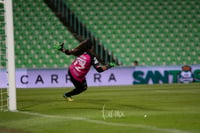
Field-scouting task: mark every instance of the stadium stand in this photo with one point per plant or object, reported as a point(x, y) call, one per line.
point(36, 29)
point(2, 38)
point(153, 32)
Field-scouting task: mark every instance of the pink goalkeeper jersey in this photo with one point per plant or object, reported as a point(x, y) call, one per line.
point(80, 67)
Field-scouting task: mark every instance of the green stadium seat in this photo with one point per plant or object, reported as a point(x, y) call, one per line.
point(167, 32)
point(36, 29)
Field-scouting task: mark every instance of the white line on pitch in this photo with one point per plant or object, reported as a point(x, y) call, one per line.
point(153, 128)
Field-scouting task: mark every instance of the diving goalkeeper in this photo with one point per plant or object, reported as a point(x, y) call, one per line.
point(81, 65)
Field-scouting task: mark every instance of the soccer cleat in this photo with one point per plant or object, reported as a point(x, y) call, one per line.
point(68, 98)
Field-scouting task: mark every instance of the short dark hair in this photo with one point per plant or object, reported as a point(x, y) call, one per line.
point(88, 45)
point(83, 47)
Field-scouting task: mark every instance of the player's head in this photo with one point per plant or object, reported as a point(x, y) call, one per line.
point(135, 63)
point(85, 46)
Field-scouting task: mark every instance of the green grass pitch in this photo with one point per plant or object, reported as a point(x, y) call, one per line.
point(169, 108)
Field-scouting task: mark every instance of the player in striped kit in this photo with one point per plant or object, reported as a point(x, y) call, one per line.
point(80, 66)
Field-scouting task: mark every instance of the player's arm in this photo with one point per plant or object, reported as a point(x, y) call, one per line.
point(99, 68)
point(67, 51)
point(60, 47)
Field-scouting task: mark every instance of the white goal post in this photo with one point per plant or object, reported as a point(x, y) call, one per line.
point(10, 54)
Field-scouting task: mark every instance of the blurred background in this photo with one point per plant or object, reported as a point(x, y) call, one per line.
point(154, 32)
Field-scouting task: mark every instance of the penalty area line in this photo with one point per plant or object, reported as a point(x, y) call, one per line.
point(102, 122)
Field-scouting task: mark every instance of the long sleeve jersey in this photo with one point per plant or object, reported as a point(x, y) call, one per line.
point(81, 65)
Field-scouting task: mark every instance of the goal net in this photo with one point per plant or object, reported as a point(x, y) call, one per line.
point(7, 58)
point(3, 90)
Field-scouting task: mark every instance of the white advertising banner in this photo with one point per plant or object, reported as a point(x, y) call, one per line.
point(166, 74)
point(56, 78)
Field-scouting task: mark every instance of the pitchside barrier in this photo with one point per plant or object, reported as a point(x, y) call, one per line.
point(57, 78)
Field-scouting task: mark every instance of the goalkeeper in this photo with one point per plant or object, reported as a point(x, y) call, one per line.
point(80, 66)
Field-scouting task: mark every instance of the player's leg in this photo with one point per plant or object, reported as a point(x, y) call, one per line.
point(79, 87)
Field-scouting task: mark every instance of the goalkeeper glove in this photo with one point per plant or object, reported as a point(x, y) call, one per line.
point(59, 46)
point(111, 65)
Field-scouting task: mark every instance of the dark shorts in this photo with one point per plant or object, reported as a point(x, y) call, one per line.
point(78, 85)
